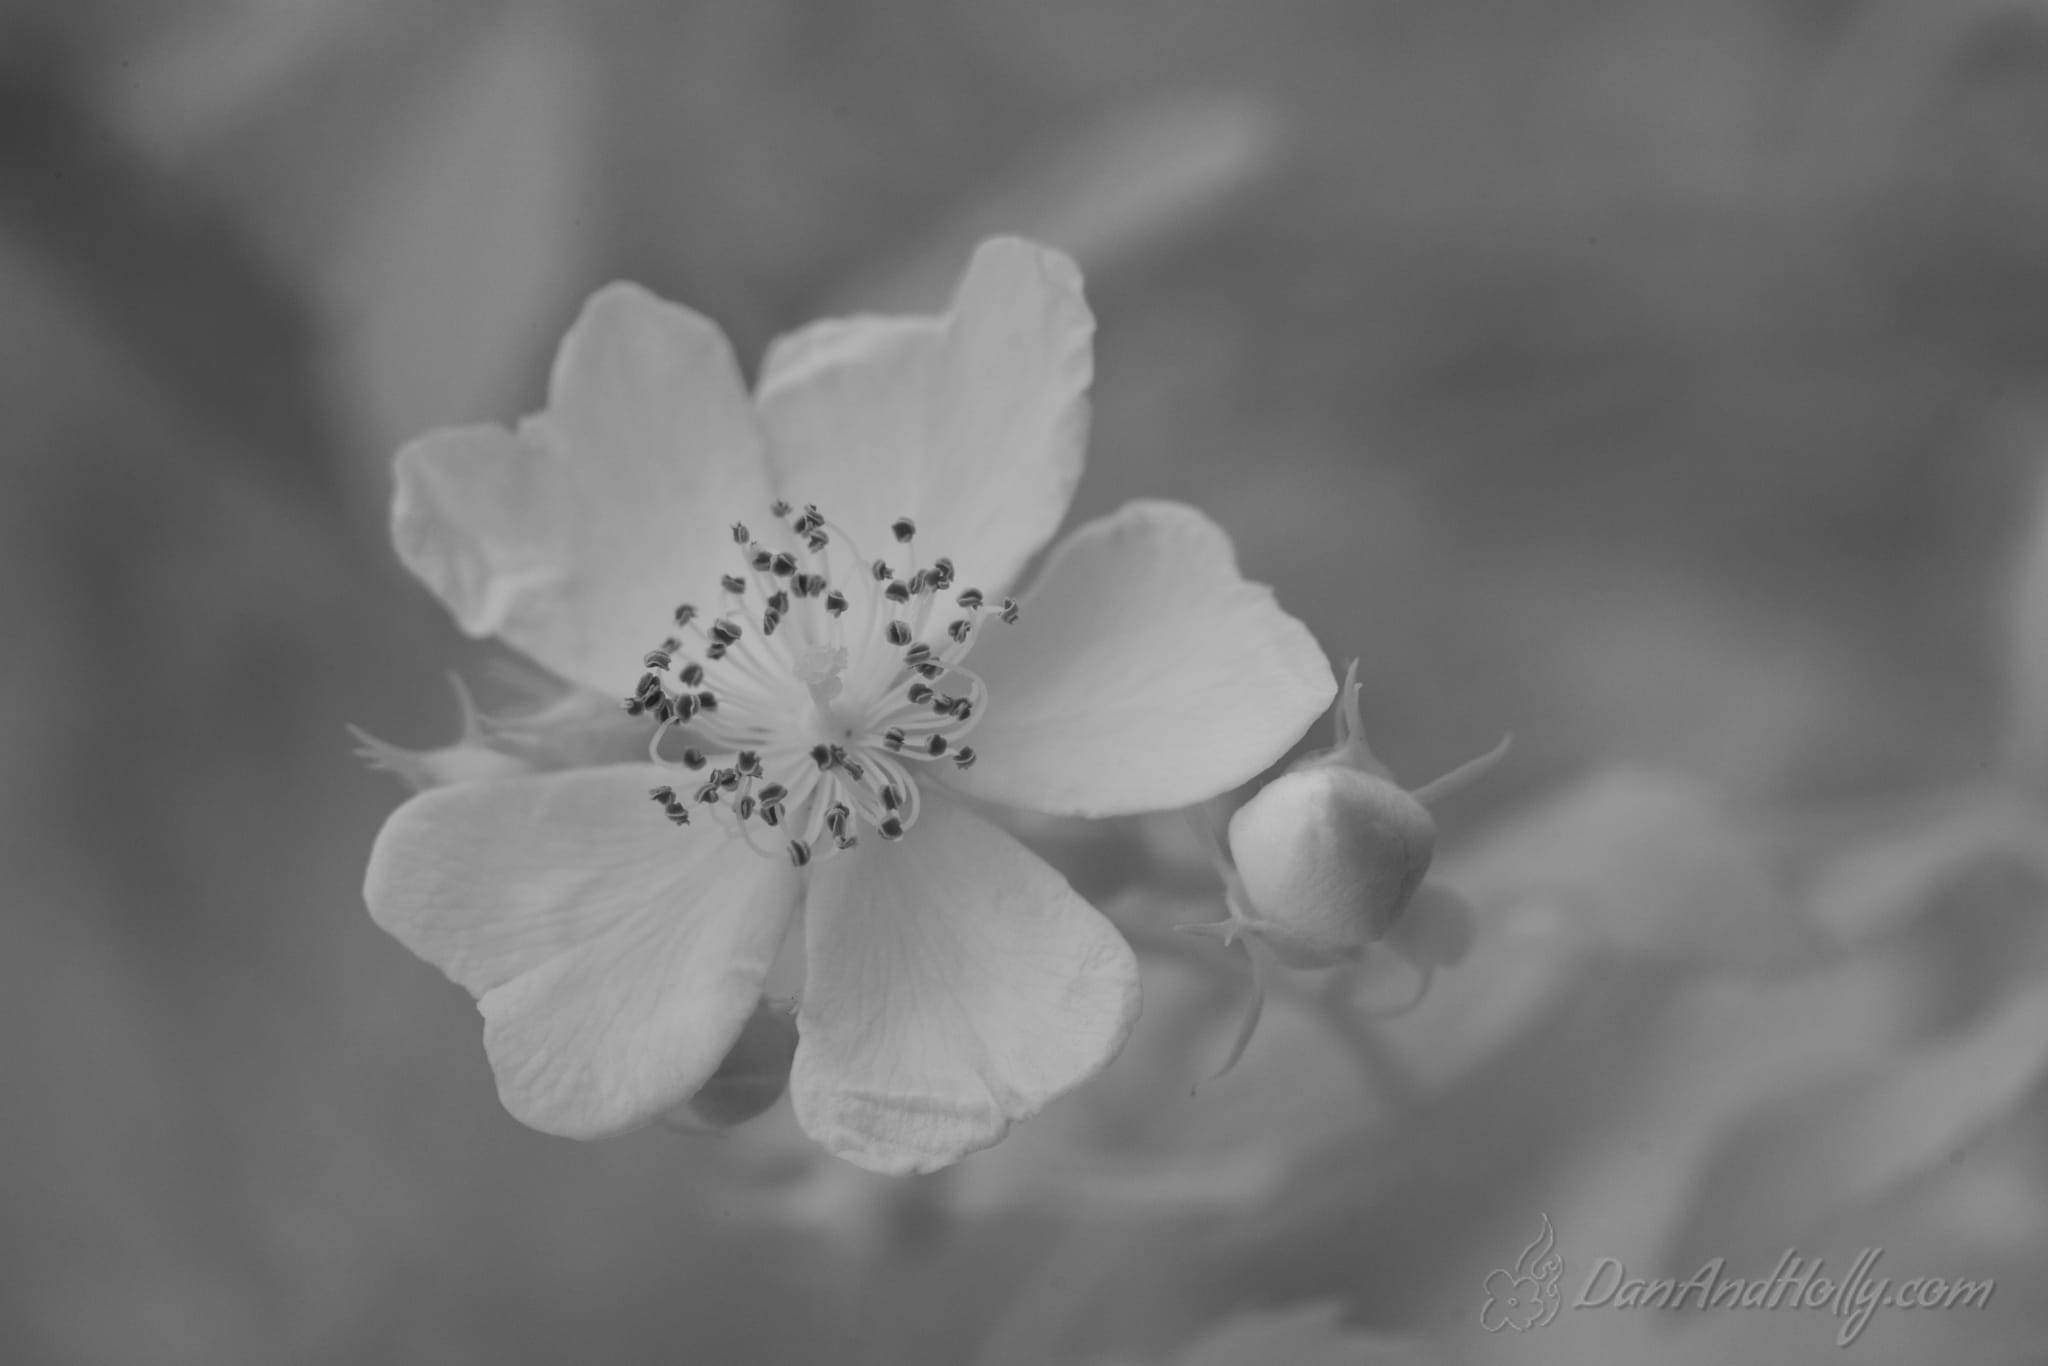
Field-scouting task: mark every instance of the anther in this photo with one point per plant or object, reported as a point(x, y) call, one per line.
point(917, 582)
point(891, 798)
point(778, 601)
point(680, 815)
point(708, 700)
point(799, 853)
point(817, 541)
point(685, 614)
point(732, 583)
point(632, 706)
point(935, 746)
point(964, 757)
point(744, 807)
point(783, 564)
point(882, 572)
point(663, 795)
point(771, 814)
point(729, 778)
point(694, 759)
point(650, 682)
point(779, 508)
point(808, 585)
point(942, 573)
point(958, 630)
point(683, 705)
point(917, 654)
point(821, 755)
point(770, 619)
point(749, 763)
point(724, 632)
point(891, 829)
point(1009, 609)
point(760, 560)
point(898, 633)
point(708, 794)
point(893, 738)
point(657, 659)
point(903, 529)
point(970, 598)
point(930, 669)
point(773, 793)
point(835, 603)
point(962, 708)
point(739, 533)
point(691, 675)
point(919, 694)
point(715, 651)
point(846, 841)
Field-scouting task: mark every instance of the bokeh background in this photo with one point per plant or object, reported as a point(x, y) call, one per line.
point(1664, 382)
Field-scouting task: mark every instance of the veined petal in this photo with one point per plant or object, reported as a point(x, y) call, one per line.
point(575, 537)
point(614, 956)
point(973, 424)
point(956, 983)
point(1143, 674)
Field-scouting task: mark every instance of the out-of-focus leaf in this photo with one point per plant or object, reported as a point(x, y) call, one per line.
point(1641, 863)
point(1310, 1335)
point(2027, 659)
point(1835, 1149)
point(1884, 883)
point(465, 255)
point(1125, 185)
point(754, 1074)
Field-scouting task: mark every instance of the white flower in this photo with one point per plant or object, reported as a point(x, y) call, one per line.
point(846, 538)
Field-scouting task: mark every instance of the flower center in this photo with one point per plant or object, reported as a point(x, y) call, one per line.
point(816, 689)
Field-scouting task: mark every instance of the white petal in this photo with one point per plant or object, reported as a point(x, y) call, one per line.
point(614, 956)
point(956, 983)
point(575, 537)
point(1143, 674)
point(973, 425)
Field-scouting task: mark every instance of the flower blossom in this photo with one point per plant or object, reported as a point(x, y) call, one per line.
point(801, 598)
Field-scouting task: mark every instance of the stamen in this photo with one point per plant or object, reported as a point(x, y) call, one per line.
point(875, 704)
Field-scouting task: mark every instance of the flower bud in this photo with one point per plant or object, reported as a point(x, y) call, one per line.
point(1329, 856)
point(1330, 853)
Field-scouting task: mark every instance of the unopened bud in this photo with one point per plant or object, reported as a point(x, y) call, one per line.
point(1331, 853)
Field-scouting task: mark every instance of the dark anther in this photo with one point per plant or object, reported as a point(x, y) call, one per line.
point(970, 598)
point(821, 755)
point(657, 659)
point(708, 700)
point(1009, 609)
point(685, 614)
point(693, 759)
point(898, 633)
point(760, 560)
point(817, 541)
point(919, 694)
point(835, 603)
point(663, 794)
point(744, 807)
point(958, 630)
point(778, 601)
point(903, 529)
point(779, 508)
point(691, 675)
point(942, 573)
point(732, 583)
point(965, 756)
point(882, 571)
point(799, 853)
point(632, 706)
point(935, 746)
point(784, 564)
point(891, 829)
point(893, 737)
point(773, 793)
point(739, 533)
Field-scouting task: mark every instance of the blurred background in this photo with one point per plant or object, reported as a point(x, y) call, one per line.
point(1666, 383)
